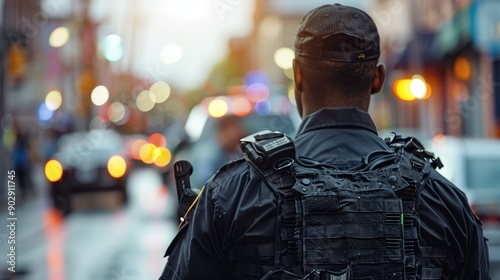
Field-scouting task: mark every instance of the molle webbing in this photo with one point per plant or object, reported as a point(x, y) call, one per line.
point(349, 224)
point(366, 219)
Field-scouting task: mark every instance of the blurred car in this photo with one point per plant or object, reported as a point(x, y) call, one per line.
point(238, 117)
point(91, 161)
point(473, 165)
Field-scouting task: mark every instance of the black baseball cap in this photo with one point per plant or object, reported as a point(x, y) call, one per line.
point(337, 33)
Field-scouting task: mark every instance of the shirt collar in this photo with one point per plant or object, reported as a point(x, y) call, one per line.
point(337, 117)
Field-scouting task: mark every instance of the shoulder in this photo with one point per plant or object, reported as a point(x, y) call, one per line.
point(231, 178)
point(448, 201)
point(234, 169)
point(445, 188)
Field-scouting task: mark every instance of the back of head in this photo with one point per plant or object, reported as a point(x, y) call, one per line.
point(337, 48)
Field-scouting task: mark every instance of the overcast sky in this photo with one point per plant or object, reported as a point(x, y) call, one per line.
point(200, 27)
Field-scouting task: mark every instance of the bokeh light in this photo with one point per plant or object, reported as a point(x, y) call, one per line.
point(402, 90)
point(217, 108)
point(59, 37)
point(291, 94)
point(135, 148)
point(241, 106)
point(256, 77)
point(113, 48)
point(53, 170)
point(263, 107)
point(158, 140)
point(418, 86)
point(283, 57)
point(43, 113)
point(161, 91)
point(102, 112)
point(53, 100)
point(163, 156)
point(257, 91)
point(99, 95)
point(462, 68)
point(148, 154)
point(116, 112)
point(117, 166)
point(145, 100)
point(288, 73)
point(171, 53)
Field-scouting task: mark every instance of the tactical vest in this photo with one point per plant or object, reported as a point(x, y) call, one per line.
point(359, 223)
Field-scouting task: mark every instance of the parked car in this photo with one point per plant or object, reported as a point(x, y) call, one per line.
point(87, 162)
point(210, 128)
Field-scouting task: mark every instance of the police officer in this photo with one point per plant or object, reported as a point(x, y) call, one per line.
point(231, 232)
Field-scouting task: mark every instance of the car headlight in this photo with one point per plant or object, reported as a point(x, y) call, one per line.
point(53, 170)
point(117, 166)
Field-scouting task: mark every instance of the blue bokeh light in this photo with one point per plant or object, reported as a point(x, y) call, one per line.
point(256, 77)
point(263, 107)
point(44, 114)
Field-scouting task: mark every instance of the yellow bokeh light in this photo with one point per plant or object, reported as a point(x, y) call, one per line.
point(283, 57)
point(291, 94)
point(59, 37)
point(462, 68)
point(217, 108)
point(288, 73)
point(427, 92)
point(148, 153)
point(402, 90)
point(53, 170)
point(161, 91)
point(145, 100)
point(163, 156)
point(53, 100)
point(100, 95)
point(117, 166)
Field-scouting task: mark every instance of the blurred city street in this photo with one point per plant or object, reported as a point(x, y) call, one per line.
point(99, 99)
point(106, 242)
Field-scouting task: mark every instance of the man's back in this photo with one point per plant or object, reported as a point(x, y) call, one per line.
point(240, 211)
point(242, 228)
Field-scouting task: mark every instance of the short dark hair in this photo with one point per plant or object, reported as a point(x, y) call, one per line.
point(347, 80)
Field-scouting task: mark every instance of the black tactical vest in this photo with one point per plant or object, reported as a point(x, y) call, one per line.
point(359, 223)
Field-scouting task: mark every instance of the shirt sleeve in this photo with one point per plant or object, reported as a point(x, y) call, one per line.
point(195, 252)
point(476, 264)
point(448, 212)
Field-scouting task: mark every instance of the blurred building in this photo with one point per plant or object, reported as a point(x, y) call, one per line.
point(455, 46)
point(452, 46)
point(20, 23)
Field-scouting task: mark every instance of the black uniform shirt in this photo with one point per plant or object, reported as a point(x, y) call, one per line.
point(236, 208)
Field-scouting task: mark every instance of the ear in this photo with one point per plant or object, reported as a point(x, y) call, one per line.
point(297, 75)
point(297, 80)
point(378, 81)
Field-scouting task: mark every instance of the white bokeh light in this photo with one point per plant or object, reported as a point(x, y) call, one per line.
point(100, 95)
